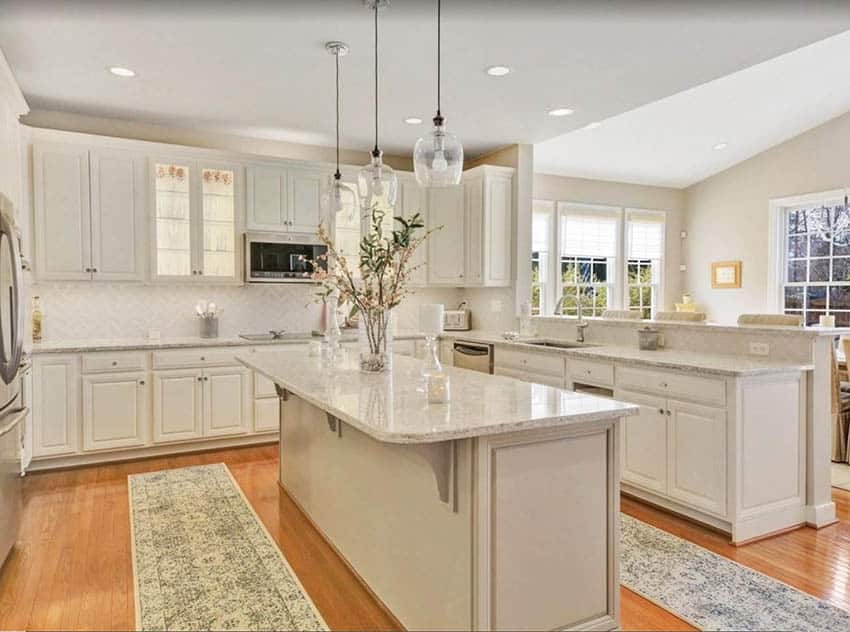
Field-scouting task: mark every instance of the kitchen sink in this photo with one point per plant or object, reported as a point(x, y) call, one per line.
point(565, 344)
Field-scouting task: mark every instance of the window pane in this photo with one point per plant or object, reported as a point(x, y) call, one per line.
point(798, 247)
point(601, 302)
point(585, 272)
point(796, 222)
point(646, 296)
point(817, 218)
point(632, 273)
point(816, 298)
point(841, 269)
point(646, 313)
point(812, 318)
point(796, 271)
point(818, 246)
point(568, 271)
point(819, 270)
point(842, 319)
point(839, 297)
point(600, 272)
point(794, 297)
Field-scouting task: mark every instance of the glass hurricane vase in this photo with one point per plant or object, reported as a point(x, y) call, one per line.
point(375, 340)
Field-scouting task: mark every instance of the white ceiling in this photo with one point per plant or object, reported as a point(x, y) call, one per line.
point(260, 68)
point(671, 142)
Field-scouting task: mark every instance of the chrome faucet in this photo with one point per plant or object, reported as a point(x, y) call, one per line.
point(581, 325)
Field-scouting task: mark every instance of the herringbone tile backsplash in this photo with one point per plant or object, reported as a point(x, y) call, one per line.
point(111, 310)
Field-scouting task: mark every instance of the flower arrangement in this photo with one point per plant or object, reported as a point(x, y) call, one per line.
point(385, 265)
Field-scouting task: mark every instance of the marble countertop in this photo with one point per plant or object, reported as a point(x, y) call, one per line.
point(392, 407)
point(143, 344)
point(690, 361)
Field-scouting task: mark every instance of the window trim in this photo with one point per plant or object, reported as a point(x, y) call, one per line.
point(776, 253)
point(619, 286)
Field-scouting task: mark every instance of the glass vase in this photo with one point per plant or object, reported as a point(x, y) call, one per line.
point(376, 337)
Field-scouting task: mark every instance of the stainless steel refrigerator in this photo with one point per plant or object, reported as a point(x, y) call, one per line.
point(12, 411)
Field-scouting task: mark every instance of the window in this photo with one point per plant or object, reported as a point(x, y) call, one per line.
point(541, 247)
point(588, 256)
point(816, 261)
point(645, 251)
point(594, 264)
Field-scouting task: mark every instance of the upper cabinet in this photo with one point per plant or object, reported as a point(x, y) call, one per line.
point(473, 247)
point(413, 199)
point(283, 199)
point(89, 213)
point(195, 221)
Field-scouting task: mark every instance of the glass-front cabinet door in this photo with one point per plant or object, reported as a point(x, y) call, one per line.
point(196, 223)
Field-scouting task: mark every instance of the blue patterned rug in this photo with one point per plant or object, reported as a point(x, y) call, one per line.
point(202, 560)
point(712, 592)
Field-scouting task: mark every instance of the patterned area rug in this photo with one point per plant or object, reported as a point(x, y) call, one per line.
point(714, 593)
point(202, 560)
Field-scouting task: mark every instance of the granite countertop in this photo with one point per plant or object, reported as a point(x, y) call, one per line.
point(144, 344)
point(392, 407)
point(690, 361)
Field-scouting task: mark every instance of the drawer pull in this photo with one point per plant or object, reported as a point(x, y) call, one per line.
point(203, 358)
point(589, 371)
point(115, 363)
point(663, 384)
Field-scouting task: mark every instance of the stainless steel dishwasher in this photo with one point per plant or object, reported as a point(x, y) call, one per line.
point(474, 356)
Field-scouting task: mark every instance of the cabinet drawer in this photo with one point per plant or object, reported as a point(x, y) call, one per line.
point(591, 371)
point(550, 364)
point(101, 362)
point(534, 378)
point(688, 387)
point(181, 358)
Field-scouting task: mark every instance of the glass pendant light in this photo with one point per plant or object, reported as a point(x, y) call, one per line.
point(438, 156)
point(377, 182)
point(339, 197)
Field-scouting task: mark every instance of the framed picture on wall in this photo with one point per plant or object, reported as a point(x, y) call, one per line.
point(726, 274)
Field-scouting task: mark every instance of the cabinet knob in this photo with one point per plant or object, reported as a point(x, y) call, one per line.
point(114, 363)
point(88, 269)
point(663, 384)
point(206, 379)
point(141, 382)
point(94, 269)
point(202, 358)
point(200, 379)
point(668, 413)
point(661, 410)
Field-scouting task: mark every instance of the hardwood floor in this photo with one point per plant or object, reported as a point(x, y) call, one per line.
point(72, 567)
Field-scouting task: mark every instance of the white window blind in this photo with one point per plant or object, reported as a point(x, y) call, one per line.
point(541, 228)
point(645, 240)
point(587, 235)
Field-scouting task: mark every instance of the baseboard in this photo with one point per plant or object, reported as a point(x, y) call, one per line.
point(45, 464)
point(819, 516)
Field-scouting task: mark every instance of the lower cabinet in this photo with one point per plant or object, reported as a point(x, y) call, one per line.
point(55, 402)
point(266, 414)
point(526, 376)
point(227, 408)
point(677, 449)
point(194, 403)
point(644, 442)
point(696, 462)
point(115, 410)
point(177, 405)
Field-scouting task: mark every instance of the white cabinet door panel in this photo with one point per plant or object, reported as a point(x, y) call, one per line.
point(413, 199)
point(446, 246)
point(114, 410)
point(226, 401)
point(305, 200)
point(117, 215)
point(644, 442)
point(474, 230)
point(55, 405)
point(177, 410)
point(267, 414)
point(498, 202)
point(62, 212)
point(697, 456)
point(267, 198)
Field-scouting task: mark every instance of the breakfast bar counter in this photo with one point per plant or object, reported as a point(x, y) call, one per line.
point(497, 510)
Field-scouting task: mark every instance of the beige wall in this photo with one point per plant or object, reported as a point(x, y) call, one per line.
point(200, 138)
point(728, 218)
point(565, 189)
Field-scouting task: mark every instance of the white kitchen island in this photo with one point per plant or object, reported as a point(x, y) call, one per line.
point(498, 510)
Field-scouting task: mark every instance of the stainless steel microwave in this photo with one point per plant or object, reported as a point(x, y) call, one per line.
point(282, 257)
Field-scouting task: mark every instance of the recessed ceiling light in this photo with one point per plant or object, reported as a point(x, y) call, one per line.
point(593, 125)
point(498, 71)
point(721, 146)
point(560, 112)
point(413, 120)
point(120, 71)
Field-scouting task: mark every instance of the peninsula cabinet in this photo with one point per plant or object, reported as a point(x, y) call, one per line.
point(89, 207)
point(284, 199)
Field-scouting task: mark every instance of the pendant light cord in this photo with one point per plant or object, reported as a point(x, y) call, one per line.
point(337, 174)
point(439, 61)
point(376, 151)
